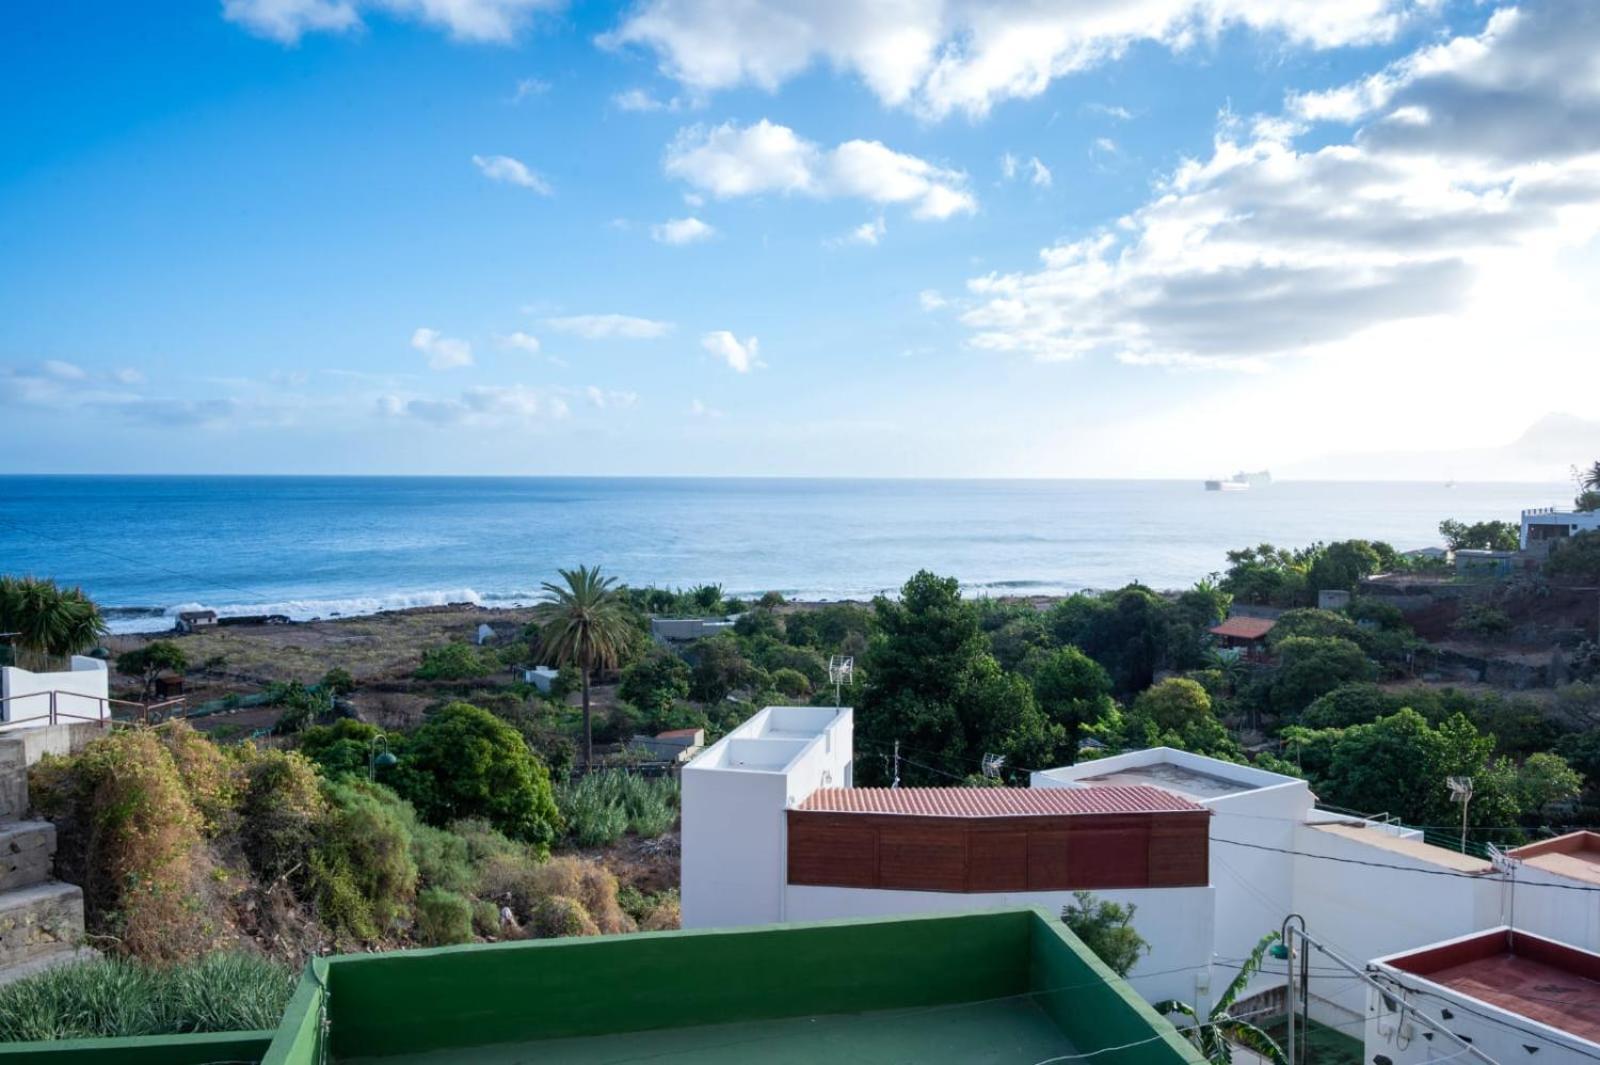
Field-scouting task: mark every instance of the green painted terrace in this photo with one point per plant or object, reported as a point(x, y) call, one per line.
point(1008, 987)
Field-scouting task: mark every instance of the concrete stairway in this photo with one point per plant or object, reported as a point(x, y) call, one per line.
point(41, 919)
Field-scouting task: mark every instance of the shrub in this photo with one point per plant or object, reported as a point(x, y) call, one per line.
point(362, 872)
point(1107, 929)
point(600, 807)
point(557, 916)
point(465, 762)
point(209, 777)
point(791, 682)
point(451, 661)
point(590, 884)
point(443, 918)
point(117, 998)
point(133, 838)
point(1481, 619)
point(485, 918)
point(443, 858)
point(655, 681)
point(338, 681)
point(665, 916)
point(280, 810)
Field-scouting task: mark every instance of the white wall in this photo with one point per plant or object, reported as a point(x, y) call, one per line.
point(1176, 922)
point(736, 794)
point(80, 693)
point(1365, 912)
point(1559, 913)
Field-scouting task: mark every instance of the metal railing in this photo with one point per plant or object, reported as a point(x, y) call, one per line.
point(141, 713)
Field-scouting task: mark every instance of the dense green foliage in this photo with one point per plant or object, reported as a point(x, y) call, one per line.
point(1106, 928)
point(1480, 535)
point(452, 661)
point(465, 762)
point(150, 661)
point(1577, 559)
point(223, 992)
point(48, 622)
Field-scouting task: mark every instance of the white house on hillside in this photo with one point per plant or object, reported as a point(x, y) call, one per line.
point(1545, 526)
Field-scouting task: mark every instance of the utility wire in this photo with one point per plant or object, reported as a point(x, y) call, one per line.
point(1400, 868)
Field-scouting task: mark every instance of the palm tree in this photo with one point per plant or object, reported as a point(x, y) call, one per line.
point(45, 621)
point(1591, 478)
point(1215, 1038)
point(583, 623)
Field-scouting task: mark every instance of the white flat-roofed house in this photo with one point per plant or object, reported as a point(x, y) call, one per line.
point(1544, 527)
point(775, 830)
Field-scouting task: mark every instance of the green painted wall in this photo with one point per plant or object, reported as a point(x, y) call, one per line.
point(463, 996)
point(142, 1050)
point(1094, 1007)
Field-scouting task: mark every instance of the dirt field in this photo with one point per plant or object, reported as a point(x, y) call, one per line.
point(374, 647)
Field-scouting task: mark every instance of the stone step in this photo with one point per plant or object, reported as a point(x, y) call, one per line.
point(26, 850)
point(62, 955)
point(39, 920)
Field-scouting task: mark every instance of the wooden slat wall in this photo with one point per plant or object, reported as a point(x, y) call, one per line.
point(1066, 853)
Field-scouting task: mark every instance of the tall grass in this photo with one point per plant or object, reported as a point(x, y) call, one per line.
point(224, 992)
point(600, 807)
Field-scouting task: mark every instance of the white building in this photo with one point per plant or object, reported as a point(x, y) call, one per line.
point(541, 677)
point(1544, 526)
point(773, 830)
point(1512, 995)
point(32, 700)
point(676, 631)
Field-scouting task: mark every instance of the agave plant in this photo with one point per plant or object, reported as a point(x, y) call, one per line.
point(582, 623)
point(1217, 1034)
point(45, 621)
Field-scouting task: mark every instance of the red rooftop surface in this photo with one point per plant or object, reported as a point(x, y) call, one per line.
point(998, 802)
point(1538, 978)
point(1244, 628)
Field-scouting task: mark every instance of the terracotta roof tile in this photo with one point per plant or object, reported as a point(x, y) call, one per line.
point(1244, 628)
point(999, 802)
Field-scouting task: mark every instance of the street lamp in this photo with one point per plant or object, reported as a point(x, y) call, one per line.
point(379, 759)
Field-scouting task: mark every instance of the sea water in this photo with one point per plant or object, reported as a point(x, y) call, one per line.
point(145, 547)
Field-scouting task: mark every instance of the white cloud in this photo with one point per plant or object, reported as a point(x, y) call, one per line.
point(940, 56)
point(512, 172)
point(520, 341)
point(610, 326)
point(128, 376)
point(492, 21)
point(868, 233)
point(527, 87)
point(1265, 249)
point(682, 231)
point(729, 160)
point(739, 356)
point(641, 102)
point(603, 399)
point(66, 371)
point(1115, 111)
point(484, 405)
point(1037, 173)
point(698, 409)
point(930, 299)
point(444, 353)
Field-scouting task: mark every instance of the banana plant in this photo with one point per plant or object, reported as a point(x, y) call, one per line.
point(1217, 1034)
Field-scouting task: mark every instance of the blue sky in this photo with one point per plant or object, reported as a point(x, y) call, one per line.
point(927, 238)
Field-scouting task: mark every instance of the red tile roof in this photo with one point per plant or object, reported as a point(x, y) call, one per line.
point(999, 802)
point(1244, 628)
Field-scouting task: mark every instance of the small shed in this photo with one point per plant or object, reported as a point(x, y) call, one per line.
point(673, 745)
point(1248, 635)
point(191, 620)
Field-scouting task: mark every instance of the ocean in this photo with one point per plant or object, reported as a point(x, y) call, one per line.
point(146, 547)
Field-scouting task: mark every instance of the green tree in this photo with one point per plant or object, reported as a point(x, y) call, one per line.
point(1545, 778)
point(1265, 575)
point(1106, 928)
point(1480, 535)
point(48, 622)
point(1215, 1037)
point(655, 682)
point(719, 668)
point(1074, 692)
point(1310, 666)
point(707, 598)
point(465, 762)
point(149, 662)
point(933, 685)
point(759, 622)
point(1177, 713)
point(1342, 564)
point(1577, 558)
point(451, 661)
point(583, 623)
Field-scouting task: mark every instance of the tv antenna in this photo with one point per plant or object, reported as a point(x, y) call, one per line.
point(992, 764)
point(841, 670)
point(1461, 792)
